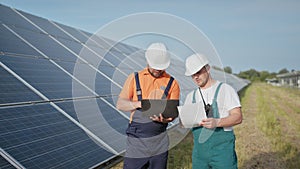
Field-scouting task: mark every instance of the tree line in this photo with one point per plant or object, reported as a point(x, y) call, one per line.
point(254, 75)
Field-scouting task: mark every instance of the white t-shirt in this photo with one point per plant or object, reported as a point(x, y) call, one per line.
point(227, 99)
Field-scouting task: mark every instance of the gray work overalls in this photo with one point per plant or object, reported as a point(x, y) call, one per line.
point(147, 141)
point(213, 148)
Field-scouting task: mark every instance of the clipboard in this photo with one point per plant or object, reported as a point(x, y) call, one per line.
point(168, 108)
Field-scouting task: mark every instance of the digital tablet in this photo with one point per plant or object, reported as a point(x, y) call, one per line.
point(168, 108)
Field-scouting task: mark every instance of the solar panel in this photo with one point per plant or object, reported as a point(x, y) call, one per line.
point(13, 91)
point(44, 76)
point(6, 161)
point(35, 132)
point(40, 136)
point(58, 90)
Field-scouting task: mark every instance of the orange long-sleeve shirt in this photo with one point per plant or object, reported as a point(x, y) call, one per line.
point(152, 88)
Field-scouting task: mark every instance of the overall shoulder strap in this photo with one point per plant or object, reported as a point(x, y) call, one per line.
point(138, 86)
point(214, 103)
point(217, 91)
point(194, 96)
point(166, 92)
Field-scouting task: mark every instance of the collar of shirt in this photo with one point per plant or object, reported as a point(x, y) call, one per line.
point(146, 72)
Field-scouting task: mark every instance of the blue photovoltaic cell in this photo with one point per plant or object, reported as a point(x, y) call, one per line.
point(74, 32)
point(114, 57)
point(47, 26)
point(119, 46)
point(111, 115)
point(125, 48)
point(38, 136)
point(108, 70)
point(104, 87)
point(9, 42)
point(68, 66)
point(8, 16)
point(4, 164)
point(100, 118)
point(68, 107)
point(51, 49)
point(44, 76)
point(99, 41)
point(117, 121)
point(13, 91)
point(92, 55)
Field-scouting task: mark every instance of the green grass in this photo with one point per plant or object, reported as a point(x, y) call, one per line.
point(180, 156)
point(271, 121)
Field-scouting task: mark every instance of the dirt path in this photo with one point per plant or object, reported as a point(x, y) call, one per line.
point(269, 135)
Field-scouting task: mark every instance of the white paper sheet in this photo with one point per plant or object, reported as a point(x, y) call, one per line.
point(191, 114)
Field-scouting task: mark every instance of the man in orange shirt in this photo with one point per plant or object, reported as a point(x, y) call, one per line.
point(147, 141)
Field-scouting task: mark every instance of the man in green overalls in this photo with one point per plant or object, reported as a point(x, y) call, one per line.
point(214, 139)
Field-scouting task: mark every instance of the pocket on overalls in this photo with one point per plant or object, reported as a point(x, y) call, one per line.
point(225, 140)
point(131, 131)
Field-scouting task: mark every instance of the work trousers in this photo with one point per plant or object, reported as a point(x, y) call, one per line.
point(147, 146)
point(216, 152)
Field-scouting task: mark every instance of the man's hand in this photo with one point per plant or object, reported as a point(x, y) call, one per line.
point(161, 119)
point(210, 123)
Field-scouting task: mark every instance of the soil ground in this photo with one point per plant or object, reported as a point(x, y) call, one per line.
point(269, 136)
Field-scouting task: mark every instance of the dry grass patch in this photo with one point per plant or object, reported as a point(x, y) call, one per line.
point(273, 137)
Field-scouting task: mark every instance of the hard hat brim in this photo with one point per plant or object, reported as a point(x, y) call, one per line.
point(158, 66)
point(190, 72)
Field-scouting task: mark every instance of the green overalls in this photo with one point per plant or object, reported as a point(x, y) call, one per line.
point(213, 148)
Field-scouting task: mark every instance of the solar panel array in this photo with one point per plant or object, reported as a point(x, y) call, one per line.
point(39, 127)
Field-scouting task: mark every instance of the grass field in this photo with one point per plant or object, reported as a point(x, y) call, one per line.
point(269, 136)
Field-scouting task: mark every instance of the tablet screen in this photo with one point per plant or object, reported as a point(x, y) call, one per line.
point(168, 108)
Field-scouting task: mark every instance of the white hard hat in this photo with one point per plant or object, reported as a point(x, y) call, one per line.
point(157, 56)
point(194, 63)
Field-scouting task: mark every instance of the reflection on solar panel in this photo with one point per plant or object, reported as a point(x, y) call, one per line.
point(39, 127)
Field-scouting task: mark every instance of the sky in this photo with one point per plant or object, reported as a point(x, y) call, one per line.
point(260, 34)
